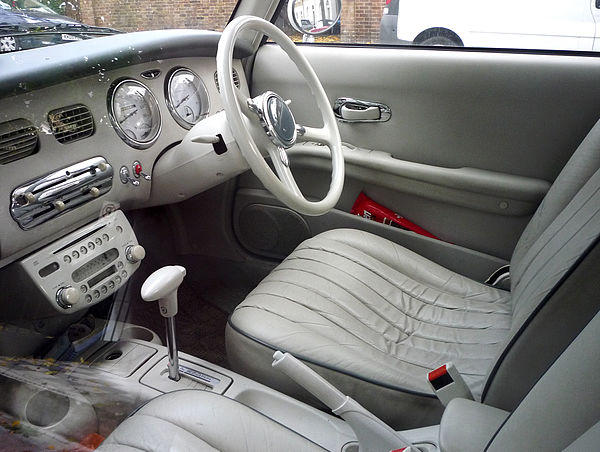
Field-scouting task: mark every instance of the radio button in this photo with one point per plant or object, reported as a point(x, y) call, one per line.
point(91, 246)
point(75, 254)
point(96, 294)
point(67, 259)
point(103, 289)
point(83, 250)
point(118, 280)
point(105, 237)
point(124, 274)
point(88, 298)
point(98, 241)
point(83, 288)
point(111, 285)
point(67, 297)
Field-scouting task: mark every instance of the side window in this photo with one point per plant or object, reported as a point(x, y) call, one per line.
point(510, 24)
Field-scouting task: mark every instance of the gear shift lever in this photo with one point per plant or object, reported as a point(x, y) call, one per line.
point(162, 285)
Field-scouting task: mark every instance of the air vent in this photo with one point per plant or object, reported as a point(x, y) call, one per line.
point(46, 197)
point(71, 123)
point(18, 139)
point(236, 79)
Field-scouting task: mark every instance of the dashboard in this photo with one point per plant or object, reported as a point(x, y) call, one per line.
point(110, 107)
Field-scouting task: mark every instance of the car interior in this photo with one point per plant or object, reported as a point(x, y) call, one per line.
point(219, 282)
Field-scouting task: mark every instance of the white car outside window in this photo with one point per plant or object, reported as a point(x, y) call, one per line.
point(525, 24)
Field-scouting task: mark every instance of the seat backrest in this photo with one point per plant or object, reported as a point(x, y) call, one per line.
point(579, 169)
point(554, 278)
point(563, 408)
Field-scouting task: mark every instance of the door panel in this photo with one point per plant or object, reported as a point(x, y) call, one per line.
point(473, 143)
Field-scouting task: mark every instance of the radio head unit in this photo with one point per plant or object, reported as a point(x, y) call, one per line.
point(86, 266)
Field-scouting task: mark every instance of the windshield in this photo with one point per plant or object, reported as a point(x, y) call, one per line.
point(28, 5)
point(26, 24)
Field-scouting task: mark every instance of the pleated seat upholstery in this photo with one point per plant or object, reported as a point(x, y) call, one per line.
point(359, 303)
point(199, 421)
point(373, 317)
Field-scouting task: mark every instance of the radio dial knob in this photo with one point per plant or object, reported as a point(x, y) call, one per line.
point(67, 297)
point(135, 253)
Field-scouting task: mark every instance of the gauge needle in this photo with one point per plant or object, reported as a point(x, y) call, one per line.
point(127, 116)
point(182, 101)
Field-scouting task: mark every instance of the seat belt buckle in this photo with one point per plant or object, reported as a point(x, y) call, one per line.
point(447, 383)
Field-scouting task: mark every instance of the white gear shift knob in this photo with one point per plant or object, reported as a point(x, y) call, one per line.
point(162, 285)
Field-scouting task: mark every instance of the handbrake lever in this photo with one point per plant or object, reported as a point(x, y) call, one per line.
point(372, 433)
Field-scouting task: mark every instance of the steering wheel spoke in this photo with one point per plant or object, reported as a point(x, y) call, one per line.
point(281, 163)
point(243, 103)
point(316, 134)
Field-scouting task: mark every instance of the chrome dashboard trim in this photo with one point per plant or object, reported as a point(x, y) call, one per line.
point(46, 197)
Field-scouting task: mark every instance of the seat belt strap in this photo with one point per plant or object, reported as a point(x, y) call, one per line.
point(500, 278)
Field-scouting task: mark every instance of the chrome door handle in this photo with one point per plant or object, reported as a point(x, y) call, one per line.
point(348, 109)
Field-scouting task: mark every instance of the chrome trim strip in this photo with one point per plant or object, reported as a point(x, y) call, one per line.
point(46, 197)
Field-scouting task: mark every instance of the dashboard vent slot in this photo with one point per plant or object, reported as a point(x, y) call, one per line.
point(71, 123)
point(18, 139)
point(236, 79)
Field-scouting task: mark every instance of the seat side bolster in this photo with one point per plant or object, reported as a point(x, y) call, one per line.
point(546, 334)
point(563, 405)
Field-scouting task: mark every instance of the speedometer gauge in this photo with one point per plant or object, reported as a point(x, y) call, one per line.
point(187, 97)
point(134, 113)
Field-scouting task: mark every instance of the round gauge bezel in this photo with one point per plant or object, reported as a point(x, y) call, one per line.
point(202, 91)
point(137, 144)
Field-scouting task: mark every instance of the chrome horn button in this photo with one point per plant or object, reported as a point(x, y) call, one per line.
point(276, 118)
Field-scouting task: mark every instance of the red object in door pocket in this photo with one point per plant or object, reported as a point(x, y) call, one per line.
point(367, 208)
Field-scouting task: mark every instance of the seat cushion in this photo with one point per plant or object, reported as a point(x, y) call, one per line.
point(367, 309)
point(200, 421)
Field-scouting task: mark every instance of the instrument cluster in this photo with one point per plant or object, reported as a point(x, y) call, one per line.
point(134, 110)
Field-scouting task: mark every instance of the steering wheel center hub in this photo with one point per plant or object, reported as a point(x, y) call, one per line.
point(276, 118)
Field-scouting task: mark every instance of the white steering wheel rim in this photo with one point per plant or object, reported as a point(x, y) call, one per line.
point(286, 190)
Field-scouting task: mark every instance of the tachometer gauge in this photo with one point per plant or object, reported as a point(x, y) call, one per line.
point(187, 97)
point(134, 113)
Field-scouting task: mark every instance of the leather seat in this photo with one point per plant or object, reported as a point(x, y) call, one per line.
point(372, 311)
point(560, 411)
point(374, 318)
point(193, 420)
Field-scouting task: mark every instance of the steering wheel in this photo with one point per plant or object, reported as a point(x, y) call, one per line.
point(266, 123)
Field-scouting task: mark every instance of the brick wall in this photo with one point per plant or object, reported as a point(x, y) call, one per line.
point(137, 15)
point(360, 20)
